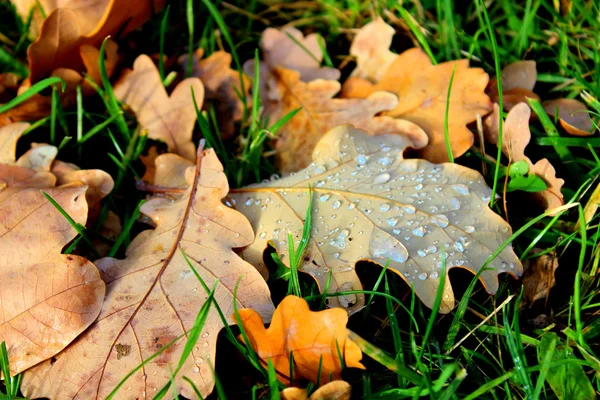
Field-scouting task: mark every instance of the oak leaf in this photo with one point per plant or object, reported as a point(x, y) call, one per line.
point(334, 390)
point(222, 85)
point(307, 335)
point(47, 298)
point(320, 113)
point(422, 89)
point(153, 297)
point(370, 203)
point(170, 119)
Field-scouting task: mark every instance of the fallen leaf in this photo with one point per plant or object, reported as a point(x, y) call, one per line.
point(573, 116)
point(371, 48)
point(516, 137)
point(518, 81)
point(334, 390)
point(9, 83)
point(170, 119)
point(153, 298)
point(79, 23)
point(222, 85)
point(301, 54)
point(538, 277)
point(47, 298)
point(320, 113)
point(287, 335)
point(369, 203)
point(422, 89)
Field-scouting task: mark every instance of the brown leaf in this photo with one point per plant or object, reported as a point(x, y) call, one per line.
point(287, 335)
point(279, 50)
point(371, 47)
point(334, 390)
point(422, 89)
point(9, 83)
point(518, 75)
point(538, 277)
point(153, 298)
point(48, 298)
point(221, 84)
point(170, 119)
point(370, 203)
point(573, 116)
point(320, 113)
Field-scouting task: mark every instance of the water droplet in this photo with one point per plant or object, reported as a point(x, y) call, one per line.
point(419, 186)
point(384, 207)
point(361, 159)
point(469, 229)
point(419, 231)
point(249, 201)
point(440, 220)
point(274, 177)
point(368, 211)
point(336, 204)
point(461, 189)
point(421, 252)
point(381, 179)
point(459, 246)
point(319, 169)
point(454, 203)
point(512, 265)
point(263, 235)
point(336, 255)
point(396, 231)
point(205, 344)
point(205, 335)
point(385, 148)
point(423, 276)
point(196, 370)
point(409, 209)
point(320, 183)
point(324, 197)
point(385, 161)
point(433, 275)
point(351, 206)
point(236, 235)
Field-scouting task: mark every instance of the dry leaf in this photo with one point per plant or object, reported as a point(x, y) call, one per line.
point(573, 116)
point(515, 138)
point(170, 119)
point(153, 298)
point(287, 335)
point(422, 89)
point(372, 204)
point(280, 50)
point(48, 298)
point(66, 29)
point(334, 390)
point(518, 75)
point(538, 277)
point(320, 113)
point(9, 83)
point(371, 47)
point(222, 85)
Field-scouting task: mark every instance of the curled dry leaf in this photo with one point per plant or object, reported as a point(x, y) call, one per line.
point(153, 297)
point(320, 113)
point(81, 22)
point(422, 89)
point(170, 119)
point(370, 203)
point(287, 335)
point(222, 85)
point(573, 116)
point(538, 277)
point(48, 298)
point(516, 137)
point(518, 81)
point(334, 390)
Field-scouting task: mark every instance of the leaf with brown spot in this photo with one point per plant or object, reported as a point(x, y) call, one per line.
point(573, 116)
point(422, 89)
point(287, 335)
point(170, 119)
point(370, 203)
point(334, 390)
point(320, 113)
point(222, 85)
point(153, 297)
point(47, 298)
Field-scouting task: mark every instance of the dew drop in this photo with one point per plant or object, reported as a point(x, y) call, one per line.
point(196, 370)
point(433, 275)
point(423, 276)
point(461, 189)
point(469, 229)
point(320, 183)
point(336, 255)
point(384, 207)
point(361, 159)
point(396, 231)
point(263, 235)
point(336, 204)
point(440, 220)
point(249, 201)
point(392, 221)
point(421, 252)
point(385, 161)
point(431, 249)
point(381, 179)
point(419, 186)
point(351, 206)
point(409, 209)
point(459, 246)
point(324, 197)
point(419, 231)
point(319, 169)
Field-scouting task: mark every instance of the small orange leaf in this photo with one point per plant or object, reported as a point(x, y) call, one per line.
point(422, 89)
point(288, 334)
point(170, 119)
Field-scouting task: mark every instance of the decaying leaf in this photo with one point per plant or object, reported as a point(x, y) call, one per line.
point(538, 277)
point(9, 83)
point(222, 85)
point(153, 297)
point(573, 116)
point(518, 81)
point(301, 54)
point(167, 118)
point(370, 203)
point(320, 113)
point(334, 390)
point(422, 89)
point(81, 22)
point(48, 298)
point(287, 335)
point(371, 47)
point(515, 138)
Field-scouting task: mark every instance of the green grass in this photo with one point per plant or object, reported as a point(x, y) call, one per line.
point(488, 347)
